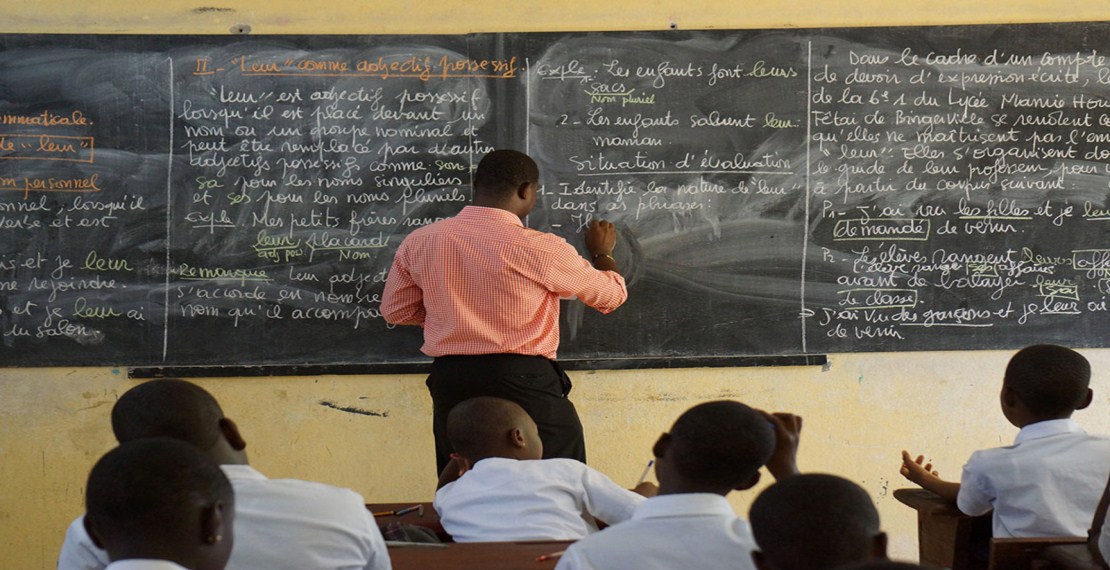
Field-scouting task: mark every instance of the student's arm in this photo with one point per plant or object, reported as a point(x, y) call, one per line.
point(454, 469)
point(364, 530)
point(788, 430)
point(917, 471)
point(1097, 532)
point(604, 499)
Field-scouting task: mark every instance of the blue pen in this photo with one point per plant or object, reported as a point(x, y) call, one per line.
point(646, 471)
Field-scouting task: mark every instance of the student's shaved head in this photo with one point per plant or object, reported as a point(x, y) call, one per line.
point(721, 443)
point(168, 408)
point(1051, 380)
point(478, 427)
point(814, 522)
point(152, 493)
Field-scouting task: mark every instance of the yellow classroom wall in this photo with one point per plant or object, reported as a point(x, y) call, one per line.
point(859, 411)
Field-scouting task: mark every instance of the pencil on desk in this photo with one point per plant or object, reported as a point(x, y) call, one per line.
point(551, 556)
point(408, 510)
point(406, 544)
point(399, 512)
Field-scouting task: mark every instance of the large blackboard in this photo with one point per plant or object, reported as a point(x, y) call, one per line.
point(184, 200)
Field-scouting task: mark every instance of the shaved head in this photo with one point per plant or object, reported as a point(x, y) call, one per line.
point(815, 522)
point(721, 443)
point(480, 427)
point(1051, 380)
point(168, 408)
point(155, 497)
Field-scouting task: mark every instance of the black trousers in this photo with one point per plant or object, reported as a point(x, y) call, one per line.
point(536, 383)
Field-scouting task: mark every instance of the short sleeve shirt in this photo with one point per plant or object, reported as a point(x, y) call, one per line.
point(1047, 483)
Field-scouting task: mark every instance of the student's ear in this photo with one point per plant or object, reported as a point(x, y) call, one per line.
point(214, 524)
point(760, 562)
point(1086, 400)
point(517, 439)
point(878, 546)
point(661, 445)
point(231, 433)
point(751, 482)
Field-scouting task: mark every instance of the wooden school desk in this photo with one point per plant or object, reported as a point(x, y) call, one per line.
point(427, 518)
point(1070, 557)
point(944, 534)
point(462, 556)
point(476, 555)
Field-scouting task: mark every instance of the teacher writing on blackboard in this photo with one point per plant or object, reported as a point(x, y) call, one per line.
point(486, 290)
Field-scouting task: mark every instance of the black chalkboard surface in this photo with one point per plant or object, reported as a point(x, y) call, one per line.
point(216, 201)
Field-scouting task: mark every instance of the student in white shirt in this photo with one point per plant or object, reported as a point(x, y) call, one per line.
point(1049, 481)
point(498, 489)
point(815, 522)
point(160, 504)
point(712, 449)
point(283, 524)
point(1098, 537)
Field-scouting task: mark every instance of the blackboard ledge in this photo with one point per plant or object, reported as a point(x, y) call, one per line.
point(421, 367)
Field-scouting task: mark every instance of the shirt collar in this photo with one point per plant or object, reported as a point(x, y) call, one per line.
point(490, 215)
point(145, 564)
point(684, 505)
point(493, 462)
point(242, 472)
point(1047, 428)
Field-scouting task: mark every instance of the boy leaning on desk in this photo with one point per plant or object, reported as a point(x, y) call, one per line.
point(1048, 483)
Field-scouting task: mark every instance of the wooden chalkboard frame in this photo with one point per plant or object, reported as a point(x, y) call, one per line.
point(424, 367)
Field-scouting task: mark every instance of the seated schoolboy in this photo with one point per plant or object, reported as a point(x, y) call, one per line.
point(281, 523)
point(498, 489)
point(712, 449)
point(815, 522)
point(1049, 481)
point(159, 504)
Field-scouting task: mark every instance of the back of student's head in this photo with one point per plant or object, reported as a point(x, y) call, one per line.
point(815, 522)
point(479, 427)
point(160, 498)
point(720, 444)
point(167, 408)
point(1050, 380)
point(503, 171)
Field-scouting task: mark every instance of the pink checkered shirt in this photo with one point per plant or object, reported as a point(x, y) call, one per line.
point(482, 283)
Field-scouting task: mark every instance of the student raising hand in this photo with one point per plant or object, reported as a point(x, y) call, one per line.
point(456, 467)
point(788, 430)
point(922, 473)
